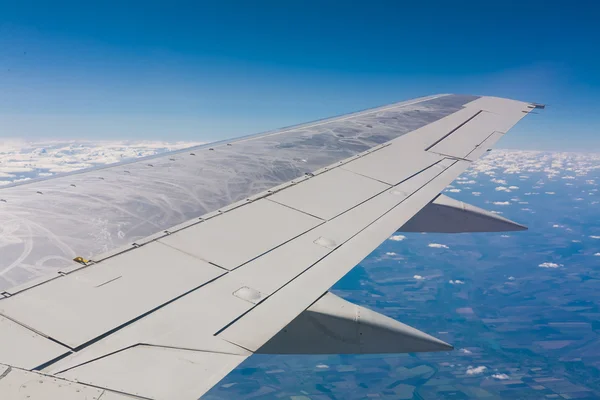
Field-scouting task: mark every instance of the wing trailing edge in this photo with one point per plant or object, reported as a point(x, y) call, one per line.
point(446, 215)
point(333, 325)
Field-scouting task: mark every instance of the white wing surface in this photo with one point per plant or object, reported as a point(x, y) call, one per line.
point(190, 262)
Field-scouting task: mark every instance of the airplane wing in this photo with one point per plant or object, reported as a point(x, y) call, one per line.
point(153, 279)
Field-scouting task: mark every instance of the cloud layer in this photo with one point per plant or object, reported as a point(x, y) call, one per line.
point(20, 161)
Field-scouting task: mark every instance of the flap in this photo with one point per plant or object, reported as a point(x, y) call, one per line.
point(88, 303)
point(157, 372)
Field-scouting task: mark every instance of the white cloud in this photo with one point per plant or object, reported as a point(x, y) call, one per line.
point(438, 246)
point(465, 351)
point(502, 203)
point(418, 277)
point(550, 193)
point(549, 265)
point(453, 190)
point(456, 282)
point(476, 193)
point(511, 278)
point(43, 159)
point(322, 366)
point(502, 189)
point(505, 236)
point(391, 253)
point(476, 370)
point(524, 163)
point(597, 254)
point(20, 180)
point(397, 238)
point(501, 377)
point(594, 237)
point(513, 187)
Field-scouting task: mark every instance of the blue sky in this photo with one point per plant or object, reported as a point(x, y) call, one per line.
point(210, 70)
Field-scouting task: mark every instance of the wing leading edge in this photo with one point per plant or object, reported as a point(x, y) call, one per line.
point(170, 315)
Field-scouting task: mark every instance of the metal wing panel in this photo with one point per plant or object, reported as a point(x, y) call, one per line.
point(23, 348)
point(394, 163)
point(486, 145)
point(280, 266)
point(268, 318)
point(174, 327)
point(157, 372)
point(344, 190)
point(460, 142)
point(188, 323)
point(513, 110)
point(276, 259)
point(84, 305)
point(87, 213)
point(243, 234)
point(256, 327)
point(17, 384)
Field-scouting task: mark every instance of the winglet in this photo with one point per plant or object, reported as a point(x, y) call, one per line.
point(333, 325)
point(446, 215)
